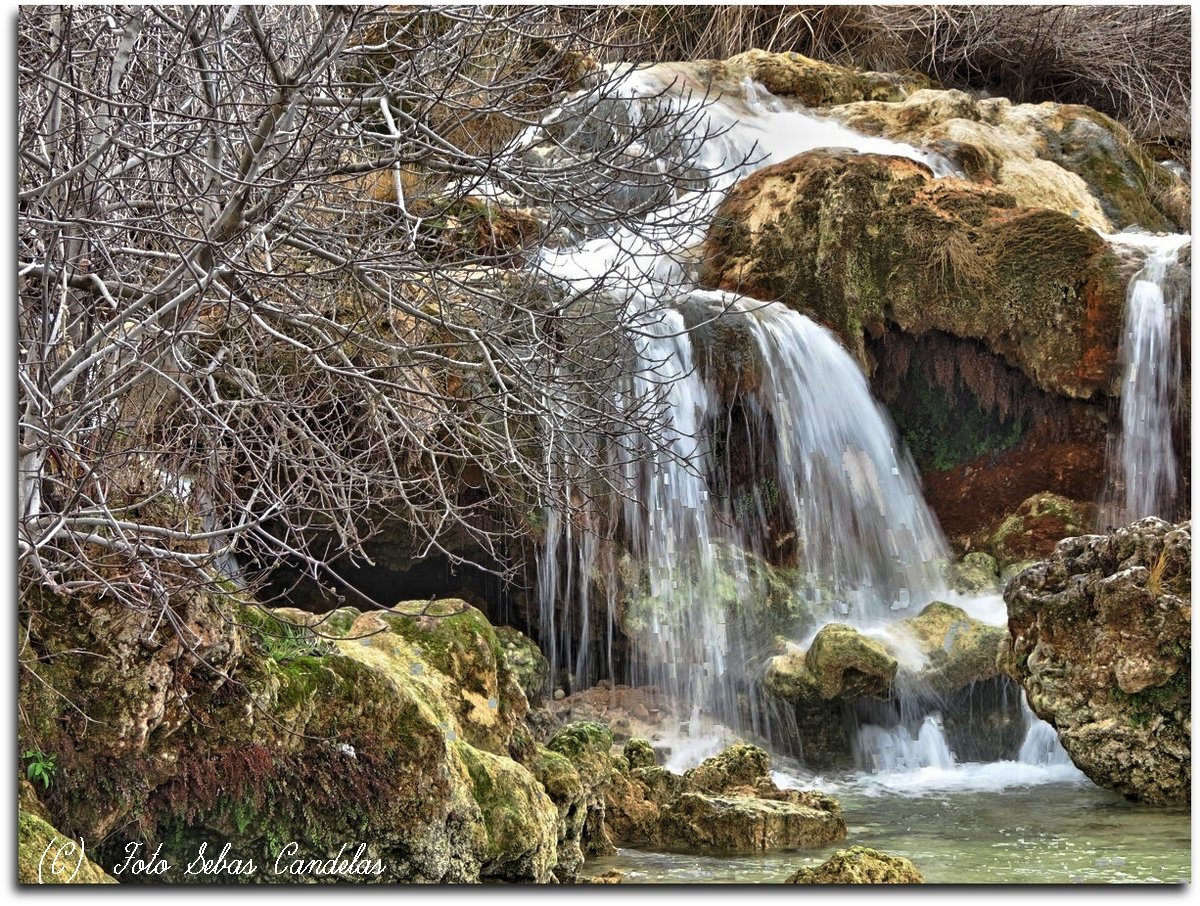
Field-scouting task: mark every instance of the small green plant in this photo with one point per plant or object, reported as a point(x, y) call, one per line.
point(41, 767)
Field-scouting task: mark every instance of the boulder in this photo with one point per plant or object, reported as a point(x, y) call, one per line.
point(47, 856)
point(859, 865)
point(392, 728)
point(727, 803)
point(847, 664)
point(1100, 638)
point(1038, 524)
point(959, 650)
point(976, 574)
point(867, 243)
point(742, 824)
point(1065, 157)
point(587, 746)
point(527, 663)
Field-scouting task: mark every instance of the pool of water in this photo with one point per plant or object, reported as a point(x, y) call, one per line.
point(1000, 823)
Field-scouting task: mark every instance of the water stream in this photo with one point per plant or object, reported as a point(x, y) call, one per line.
point(870, 545)
point(1143, 470)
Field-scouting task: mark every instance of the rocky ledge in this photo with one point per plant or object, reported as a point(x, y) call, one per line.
point(1100, 637)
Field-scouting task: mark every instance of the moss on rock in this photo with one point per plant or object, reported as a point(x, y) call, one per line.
point(866, 243)
point(859, 865)
point(46, 856)
point(1038, 524)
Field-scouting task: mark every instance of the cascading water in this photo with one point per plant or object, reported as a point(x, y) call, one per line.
point(868, 541)
point(1143, 470)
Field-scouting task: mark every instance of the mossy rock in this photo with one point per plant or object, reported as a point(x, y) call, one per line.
point(960, 650)
point(561, 782)
point(977, 573)
point(1038, 524)
point(859, 865)
point(520, 819)
point(846, 663)
point(865, 243)
point(527, 663)
point(585, 744)
point(46, 856)
point(743, 824)
point(818, 84)
point(639, 753)
point(739, 767)
point(1066, 157)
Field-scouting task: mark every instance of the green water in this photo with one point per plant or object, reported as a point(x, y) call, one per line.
point(1049, 834)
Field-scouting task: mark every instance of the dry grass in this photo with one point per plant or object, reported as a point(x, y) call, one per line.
point(1132, 62)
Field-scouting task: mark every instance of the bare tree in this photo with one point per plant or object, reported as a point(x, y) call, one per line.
point(280, 281)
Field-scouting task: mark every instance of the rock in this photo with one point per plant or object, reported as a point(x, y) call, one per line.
point(840, 666)
point(739, 768)
point(725, 804)
point(866, 243)
point(859, 865)
point(47, 856)
point(587, 746)
point(1038, 524)
point(976, 574)
point(846, 663)
point(526, 661)
point(741, 824)
point(818, 84)
point(639, 754)
point(1100, 638)
point(520, 819)
point(959, 650)
point(612, 876)
point(395, 733)
point(1065, 157)
point(559, 695)
point(561, 782)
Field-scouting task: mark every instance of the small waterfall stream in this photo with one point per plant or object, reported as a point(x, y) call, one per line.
point(1143, 469)
point(869, 543)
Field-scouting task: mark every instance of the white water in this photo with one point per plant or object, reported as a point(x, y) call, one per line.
point(1143, 472)
point(868, 540)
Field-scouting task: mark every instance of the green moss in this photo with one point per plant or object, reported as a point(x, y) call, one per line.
point(46, 856)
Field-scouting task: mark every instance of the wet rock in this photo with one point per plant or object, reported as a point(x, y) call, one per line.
point(817, 84)
point(396, 732)
point(846, 663)
point(1038, 524)
point(1065, 157)
point(725, 804)
point(739, 768)
point(587, 746)
point(1100, 638)
point(977, 574)
point(612, 876)
point(745, 825)
point(528, 664)
point(859, 865)
point(959, 649)
point(561, 782)
point(866, 243)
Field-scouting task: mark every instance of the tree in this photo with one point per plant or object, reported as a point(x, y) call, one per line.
point(280, 280)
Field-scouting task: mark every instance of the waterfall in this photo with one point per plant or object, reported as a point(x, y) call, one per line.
point(1143, 469)
point(868, 542)
point(880, 749)
point(1041, 745)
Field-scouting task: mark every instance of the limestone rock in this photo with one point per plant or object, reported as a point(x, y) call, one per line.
point(728, 803)
point(866, 243)
point(848, 664)
point(959, 650)
point(1038, 524)
point(977, 573)
point(1065, 157)
point(526, 661)
point(1100, 638)
point(746, 825)
point(47, 856)
point(859, 865)
point(586, 745)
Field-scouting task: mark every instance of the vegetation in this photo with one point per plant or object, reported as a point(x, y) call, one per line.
point(1132, 62)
